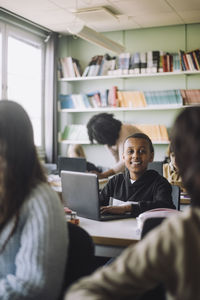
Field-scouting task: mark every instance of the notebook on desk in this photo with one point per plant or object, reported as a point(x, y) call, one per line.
point(76, 164)
point(80, 192)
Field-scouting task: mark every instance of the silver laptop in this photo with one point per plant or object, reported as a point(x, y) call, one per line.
point(80, 193)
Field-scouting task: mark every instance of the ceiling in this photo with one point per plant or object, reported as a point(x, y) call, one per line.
point(57, 15)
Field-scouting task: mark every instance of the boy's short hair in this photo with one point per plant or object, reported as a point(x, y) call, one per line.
point(140, 135)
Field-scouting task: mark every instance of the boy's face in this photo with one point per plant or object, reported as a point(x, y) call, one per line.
point(136, 156)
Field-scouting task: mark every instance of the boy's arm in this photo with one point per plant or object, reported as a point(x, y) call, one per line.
point(162, 198)
point(107, 192)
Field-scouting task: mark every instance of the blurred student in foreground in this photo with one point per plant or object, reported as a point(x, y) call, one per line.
point(106, 130)
point(170, 253)
point(137, 189)
point(33, 232)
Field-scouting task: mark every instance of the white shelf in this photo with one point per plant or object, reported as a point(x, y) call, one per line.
point(130, 76)
point(106, 109)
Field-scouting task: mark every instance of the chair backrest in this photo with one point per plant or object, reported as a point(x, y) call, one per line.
point(176, 196)
point(157, 293)
point(157, 166)
point(150, 224)
point(80, 260)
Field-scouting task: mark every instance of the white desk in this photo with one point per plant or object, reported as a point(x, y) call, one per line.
point(111, 237)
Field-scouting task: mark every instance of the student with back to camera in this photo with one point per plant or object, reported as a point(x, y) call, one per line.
point(170, 253)
point(106, 130)
point(142, 189)
point(33, 231)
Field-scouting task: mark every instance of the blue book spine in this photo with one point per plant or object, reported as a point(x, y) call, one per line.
point(66, 101)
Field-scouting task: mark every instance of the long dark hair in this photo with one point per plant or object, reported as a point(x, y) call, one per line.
point(20, 169)
point(104, 129)
point(185, 139)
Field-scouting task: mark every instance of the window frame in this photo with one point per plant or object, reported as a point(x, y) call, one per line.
point(28, 36)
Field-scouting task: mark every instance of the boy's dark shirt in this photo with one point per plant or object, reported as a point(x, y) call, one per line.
point(151, 190)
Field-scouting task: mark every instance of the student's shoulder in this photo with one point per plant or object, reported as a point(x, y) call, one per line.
point(42, 195)
point(117, 177)
point(184, 223)
point(154, 175)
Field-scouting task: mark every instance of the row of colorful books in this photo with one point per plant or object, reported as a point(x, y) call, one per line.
point(78, 132)
point(149, 98)
point(103, 98)
point(125, 63)
point(114, 98)
point(190, 61)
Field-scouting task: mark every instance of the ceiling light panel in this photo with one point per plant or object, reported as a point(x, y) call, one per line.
point(95, 14)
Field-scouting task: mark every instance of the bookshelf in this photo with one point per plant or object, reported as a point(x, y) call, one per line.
point(135, 40)
point(71, 79)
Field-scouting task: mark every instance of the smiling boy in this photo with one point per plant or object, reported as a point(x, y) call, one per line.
point(140, 189)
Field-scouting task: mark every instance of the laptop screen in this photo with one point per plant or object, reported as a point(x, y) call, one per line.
point(76, 164)
point(80, 193)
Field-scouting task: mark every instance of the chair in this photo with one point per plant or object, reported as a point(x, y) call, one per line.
point(158, 293)
point(176, 192)
point(157, 166)
point(80, 260)
point(150, 224)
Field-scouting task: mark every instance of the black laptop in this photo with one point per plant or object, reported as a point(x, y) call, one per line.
point(80, 193)
point(76, 164)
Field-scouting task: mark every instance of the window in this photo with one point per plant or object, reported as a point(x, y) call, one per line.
point(22, 74)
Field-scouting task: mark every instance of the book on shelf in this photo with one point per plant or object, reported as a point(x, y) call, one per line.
point(77, 67)
point(112, 97)
point(69, 67)
point(107, 65)
point(167, 62)
point(190, 97)
point(156, 132)
point(75, 101)
point(143, 62)
point(99, 65)
point(66, 101)
point(75, 132)
point(135, 63)
point(153, 61)
point(94, 65)
point(94, 99)
point(123, 63)
point(163, 97)
point(190, 60)
point(104, 97)
point(131, 99)
point(175, 62)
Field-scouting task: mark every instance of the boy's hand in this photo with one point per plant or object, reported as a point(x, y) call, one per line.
point(115, 209)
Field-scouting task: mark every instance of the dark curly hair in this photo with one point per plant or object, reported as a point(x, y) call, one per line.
point(104, 129)
point(185, 139)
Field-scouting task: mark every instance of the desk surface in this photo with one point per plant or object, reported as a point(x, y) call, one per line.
point(121, 232)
